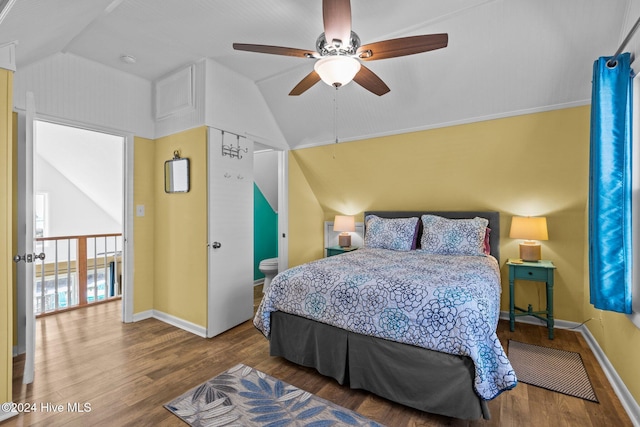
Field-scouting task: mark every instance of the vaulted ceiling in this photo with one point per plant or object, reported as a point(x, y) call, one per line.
point(504, 56)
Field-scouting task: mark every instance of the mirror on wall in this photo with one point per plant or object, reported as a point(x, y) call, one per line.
point(176, 175)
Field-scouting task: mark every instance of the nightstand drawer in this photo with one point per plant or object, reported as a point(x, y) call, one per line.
point(531, 273)
point(337, 250)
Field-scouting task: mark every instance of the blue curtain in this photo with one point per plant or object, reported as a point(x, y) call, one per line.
point(610, 185)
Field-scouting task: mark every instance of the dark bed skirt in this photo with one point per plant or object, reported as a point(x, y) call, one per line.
point(424, 379)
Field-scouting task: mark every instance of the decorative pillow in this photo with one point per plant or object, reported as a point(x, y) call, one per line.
point(445, 236)
point(399, 234)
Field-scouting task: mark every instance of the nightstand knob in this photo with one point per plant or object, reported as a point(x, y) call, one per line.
point(530, 273)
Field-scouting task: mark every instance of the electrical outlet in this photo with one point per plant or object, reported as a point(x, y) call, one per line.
point(139, 210)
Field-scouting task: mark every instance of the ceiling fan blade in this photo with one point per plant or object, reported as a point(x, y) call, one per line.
point(402, 46)
point(311, 79)
point(275, 50)
point(336, 16)
point(370, 81)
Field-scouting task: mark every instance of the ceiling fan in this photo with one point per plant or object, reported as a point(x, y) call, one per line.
point(339, 52)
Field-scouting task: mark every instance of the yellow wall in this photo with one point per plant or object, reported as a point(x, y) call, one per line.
point(526, 165)
point(619, 338)
point(533, 164)
point(180, 231)
point(303, 202)
point(6, 233)
point(143, 227)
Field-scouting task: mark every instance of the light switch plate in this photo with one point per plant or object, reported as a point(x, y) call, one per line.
point(139, 210)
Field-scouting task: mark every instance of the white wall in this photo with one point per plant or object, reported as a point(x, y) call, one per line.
point(81, 91)
point(265, 175)
point(77, 90)
point(71, 211)
point(234, 103)
point(80, 174)
point(92, 162)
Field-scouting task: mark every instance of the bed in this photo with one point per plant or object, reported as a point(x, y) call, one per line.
point(411, 316)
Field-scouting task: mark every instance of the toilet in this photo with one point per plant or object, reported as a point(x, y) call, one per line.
point(268, 267)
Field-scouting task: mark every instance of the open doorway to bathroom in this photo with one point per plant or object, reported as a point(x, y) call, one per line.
point(266, 235)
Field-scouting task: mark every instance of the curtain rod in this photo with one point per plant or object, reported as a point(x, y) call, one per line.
point(612, 61)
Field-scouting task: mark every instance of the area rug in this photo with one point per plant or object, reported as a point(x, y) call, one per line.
point(244, 396)
point(552, 369)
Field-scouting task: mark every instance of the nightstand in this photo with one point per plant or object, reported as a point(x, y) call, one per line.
point(337, 250)
point(541, 271)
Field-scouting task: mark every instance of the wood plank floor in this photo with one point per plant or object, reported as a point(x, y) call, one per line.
point(126, 372)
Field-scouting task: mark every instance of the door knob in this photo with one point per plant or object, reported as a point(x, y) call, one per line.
point(216, 245)
point(29, 257)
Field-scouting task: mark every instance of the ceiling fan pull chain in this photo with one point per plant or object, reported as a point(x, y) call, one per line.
point(335, 114)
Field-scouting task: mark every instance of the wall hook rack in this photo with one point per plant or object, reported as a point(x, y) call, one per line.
point(231, 151)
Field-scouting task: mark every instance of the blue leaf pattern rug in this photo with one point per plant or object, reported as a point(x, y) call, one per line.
point(244, 396)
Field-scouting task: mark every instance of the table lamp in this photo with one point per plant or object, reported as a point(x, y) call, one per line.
point(531, 229)
point(344, 224)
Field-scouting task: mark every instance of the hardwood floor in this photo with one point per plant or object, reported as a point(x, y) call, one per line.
point(126, 372)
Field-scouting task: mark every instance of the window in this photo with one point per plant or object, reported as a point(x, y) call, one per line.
point(40, 210)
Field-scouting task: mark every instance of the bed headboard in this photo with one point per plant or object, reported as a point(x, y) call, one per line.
point(493, 217)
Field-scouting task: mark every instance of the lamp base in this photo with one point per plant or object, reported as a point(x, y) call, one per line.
point(344, 240)
point(530, 252)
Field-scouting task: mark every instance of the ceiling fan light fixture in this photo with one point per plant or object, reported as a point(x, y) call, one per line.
point(337, 70)
point(339, 51)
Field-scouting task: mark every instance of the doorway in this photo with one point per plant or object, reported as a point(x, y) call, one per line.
point(265, 207)
point(79, 197)
point(271, 180)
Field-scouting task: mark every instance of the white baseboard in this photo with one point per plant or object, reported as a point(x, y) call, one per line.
point(201, 331)
point(626, 398)
point(6, 415)
point(142, 315)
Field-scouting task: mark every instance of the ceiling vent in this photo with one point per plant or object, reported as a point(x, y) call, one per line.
point(175, 93)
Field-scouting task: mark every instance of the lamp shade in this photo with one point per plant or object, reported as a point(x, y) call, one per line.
point(344, 223)
point(529, 228)
point(337, 70)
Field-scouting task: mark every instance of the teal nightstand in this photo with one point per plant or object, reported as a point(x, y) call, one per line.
point(541, 271)
point(337, 250)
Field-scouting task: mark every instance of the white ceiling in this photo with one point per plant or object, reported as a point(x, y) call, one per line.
point(504, 56)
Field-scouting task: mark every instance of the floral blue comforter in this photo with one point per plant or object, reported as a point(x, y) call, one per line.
point(440, 302)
